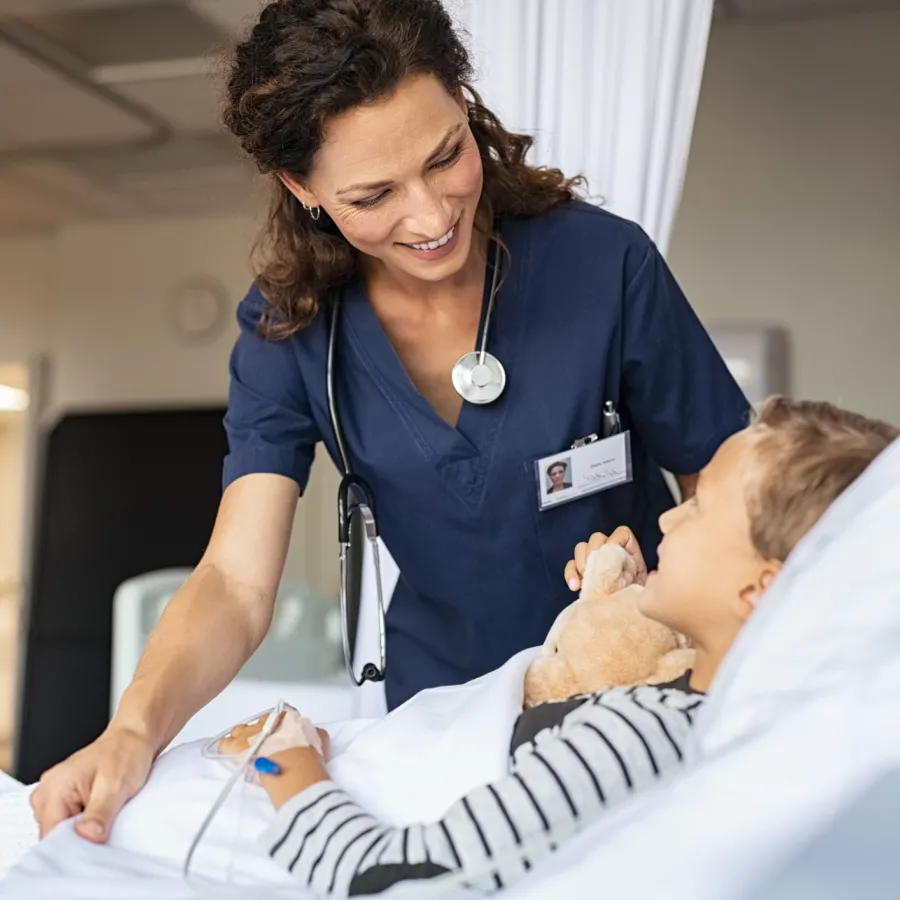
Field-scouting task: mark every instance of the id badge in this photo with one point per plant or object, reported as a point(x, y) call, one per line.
point(582, 470)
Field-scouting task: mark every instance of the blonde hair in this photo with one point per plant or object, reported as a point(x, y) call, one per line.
point(811, 452)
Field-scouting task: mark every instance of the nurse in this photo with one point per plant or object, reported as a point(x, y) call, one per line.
point(396, 193)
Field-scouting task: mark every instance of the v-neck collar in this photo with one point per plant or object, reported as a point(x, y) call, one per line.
point(461, 453)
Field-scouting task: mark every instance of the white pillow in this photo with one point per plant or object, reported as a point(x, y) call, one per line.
point(801, 719)
point(832, 607)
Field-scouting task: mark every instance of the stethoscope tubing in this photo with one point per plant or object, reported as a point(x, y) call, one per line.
point(352, 483)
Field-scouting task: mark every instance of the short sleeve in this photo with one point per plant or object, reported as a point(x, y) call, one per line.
point(681, 397)
point(269, 423)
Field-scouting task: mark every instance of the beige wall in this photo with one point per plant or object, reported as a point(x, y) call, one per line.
point(27, 275)
point(94, 297)
point(12, 439)
point(791, 208)
point(116, 344)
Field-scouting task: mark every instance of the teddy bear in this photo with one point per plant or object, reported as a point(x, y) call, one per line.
point(602, 640)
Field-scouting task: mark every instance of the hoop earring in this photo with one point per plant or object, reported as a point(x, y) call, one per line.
point(314, 212)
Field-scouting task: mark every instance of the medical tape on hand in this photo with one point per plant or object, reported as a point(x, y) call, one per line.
point(293, 731)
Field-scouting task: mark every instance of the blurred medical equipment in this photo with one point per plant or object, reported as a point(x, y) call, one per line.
point(120, 492)
point(757, 356)
point(300, 657)
point(302, 645)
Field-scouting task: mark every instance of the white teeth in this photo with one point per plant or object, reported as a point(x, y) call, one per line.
point(433, 245)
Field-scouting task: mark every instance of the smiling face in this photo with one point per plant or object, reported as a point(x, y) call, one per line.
point(710, 575)
point(402, 180)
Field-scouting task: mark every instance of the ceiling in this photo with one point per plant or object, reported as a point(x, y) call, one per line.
point(110, 107)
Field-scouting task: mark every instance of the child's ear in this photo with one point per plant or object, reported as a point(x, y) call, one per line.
point(750, 595)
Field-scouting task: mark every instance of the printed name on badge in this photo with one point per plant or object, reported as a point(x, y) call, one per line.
point(584, 470)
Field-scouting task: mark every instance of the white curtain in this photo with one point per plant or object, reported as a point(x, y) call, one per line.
point(608, 89)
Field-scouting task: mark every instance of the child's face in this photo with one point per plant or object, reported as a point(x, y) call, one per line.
point(710, 576)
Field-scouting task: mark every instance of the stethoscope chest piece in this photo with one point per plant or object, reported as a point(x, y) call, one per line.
point(479, 377)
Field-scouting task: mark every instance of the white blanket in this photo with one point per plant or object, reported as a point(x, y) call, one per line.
point(409, 766)
point(18, 830)
point(802, 716)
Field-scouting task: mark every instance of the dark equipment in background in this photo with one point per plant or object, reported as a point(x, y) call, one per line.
point(119, 494)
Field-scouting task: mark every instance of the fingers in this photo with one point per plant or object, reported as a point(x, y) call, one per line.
point(575, 567)
point(625, 538)
point(96, 781)
point(51, 807)
point(106, 799)
point(325, 738)
point(581, 555)
point(237, 740)
point(573, 579)
point(231, 746)
point(246, 730)
point(241, 736)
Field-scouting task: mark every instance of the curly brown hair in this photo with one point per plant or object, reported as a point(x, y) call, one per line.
point(306, 61)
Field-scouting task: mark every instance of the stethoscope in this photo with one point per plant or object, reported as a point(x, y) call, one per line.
point(479, 378)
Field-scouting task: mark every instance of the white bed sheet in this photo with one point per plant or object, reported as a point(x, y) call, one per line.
point(406, 767)
point(801, 718)
point(18, 831)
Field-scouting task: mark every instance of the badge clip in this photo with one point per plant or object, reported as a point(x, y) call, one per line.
point(583, 442)
point(610, 424)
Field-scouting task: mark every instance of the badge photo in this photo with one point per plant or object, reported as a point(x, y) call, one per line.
point(582, 470)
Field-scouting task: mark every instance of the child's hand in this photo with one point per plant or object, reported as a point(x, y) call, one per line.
point(622, 536)
point(239, 739)
point(300, 764)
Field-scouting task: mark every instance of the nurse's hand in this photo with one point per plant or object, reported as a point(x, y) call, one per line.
point(96, 781)
point(622, 536)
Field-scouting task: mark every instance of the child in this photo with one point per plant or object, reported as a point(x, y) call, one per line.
point(763, 490)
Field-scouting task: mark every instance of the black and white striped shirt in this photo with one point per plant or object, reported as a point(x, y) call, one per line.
point(569, 762)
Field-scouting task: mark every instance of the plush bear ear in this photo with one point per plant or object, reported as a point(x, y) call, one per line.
point(608, 569)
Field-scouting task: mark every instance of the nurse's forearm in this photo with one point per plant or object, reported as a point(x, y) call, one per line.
point(206, 633)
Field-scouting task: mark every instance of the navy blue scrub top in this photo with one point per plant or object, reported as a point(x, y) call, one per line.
point(588, 312)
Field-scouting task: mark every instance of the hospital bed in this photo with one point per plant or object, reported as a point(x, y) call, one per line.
point(788, 787)
point(854, 855)
point(301, 654)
